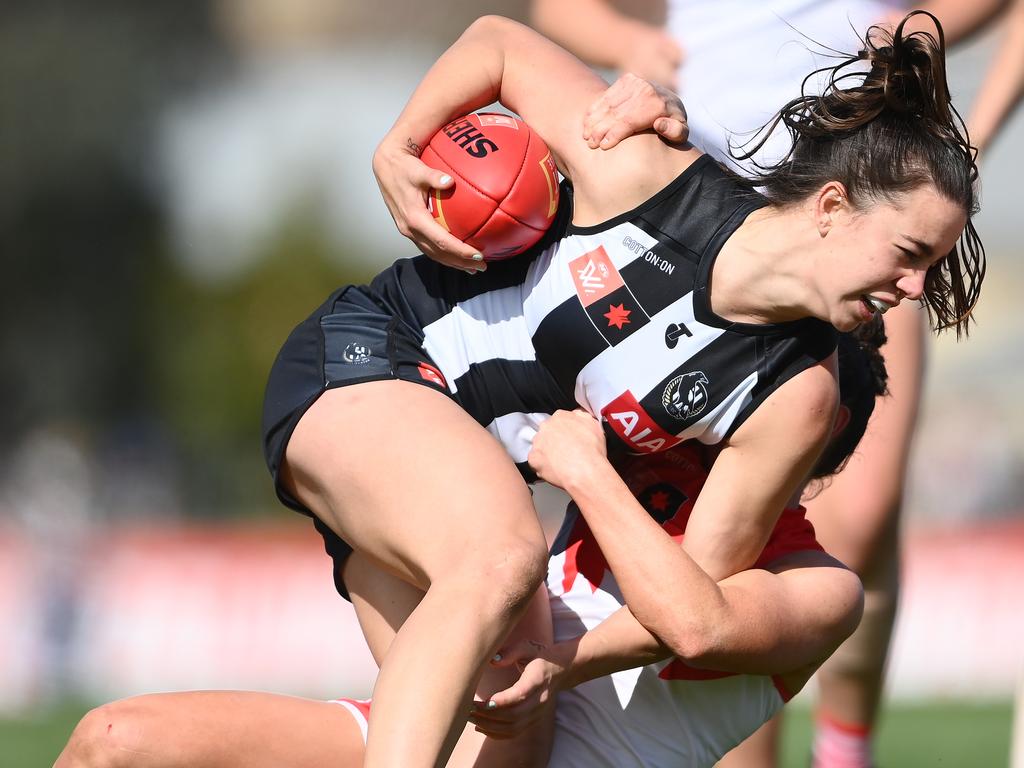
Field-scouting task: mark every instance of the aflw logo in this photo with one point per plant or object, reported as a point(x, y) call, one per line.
point(592, 277)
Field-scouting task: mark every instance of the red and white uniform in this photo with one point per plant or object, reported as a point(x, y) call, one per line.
point(665, 714)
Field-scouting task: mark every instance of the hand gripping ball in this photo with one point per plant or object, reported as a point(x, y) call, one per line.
point(506, 188)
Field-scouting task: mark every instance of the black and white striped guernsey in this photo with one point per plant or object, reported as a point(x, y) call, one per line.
point(614, 318)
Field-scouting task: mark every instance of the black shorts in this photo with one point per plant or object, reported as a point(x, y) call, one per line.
point(351, 338)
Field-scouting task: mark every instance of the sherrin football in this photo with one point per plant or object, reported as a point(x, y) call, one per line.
point(506, 187)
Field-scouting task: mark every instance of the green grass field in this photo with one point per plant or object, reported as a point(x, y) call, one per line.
point(942, 735)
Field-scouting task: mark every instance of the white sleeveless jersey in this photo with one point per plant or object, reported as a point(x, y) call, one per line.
point(745, 59)
point(651, 717)
point(613, 318)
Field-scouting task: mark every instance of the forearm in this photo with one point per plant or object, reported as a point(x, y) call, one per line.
point(591, 29)
point(688, 608)
point(959, 19)
point(617, 643)
point(1003, 85)
point(466, 77)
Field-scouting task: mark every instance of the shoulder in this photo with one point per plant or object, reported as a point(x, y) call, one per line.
point(611, 182)
point(802, 409)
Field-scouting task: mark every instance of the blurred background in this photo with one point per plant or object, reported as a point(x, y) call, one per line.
point(180, 183)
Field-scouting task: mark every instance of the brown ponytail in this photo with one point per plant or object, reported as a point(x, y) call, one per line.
point(883, 133)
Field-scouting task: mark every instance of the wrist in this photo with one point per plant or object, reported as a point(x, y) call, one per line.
point(586, 480)
point(563, 658)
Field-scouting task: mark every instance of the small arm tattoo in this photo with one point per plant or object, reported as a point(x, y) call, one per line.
point(415, 148)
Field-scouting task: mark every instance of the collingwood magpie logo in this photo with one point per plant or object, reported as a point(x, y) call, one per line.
point(686, 396)
point(356, 353)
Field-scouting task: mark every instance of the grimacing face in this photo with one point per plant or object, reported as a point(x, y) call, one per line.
point(879, 255)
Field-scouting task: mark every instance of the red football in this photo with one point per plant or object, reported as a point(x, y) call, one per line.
point(506, 187)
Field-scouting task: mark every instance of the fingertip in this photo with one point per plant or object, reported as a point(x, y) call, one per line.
point(444, 181)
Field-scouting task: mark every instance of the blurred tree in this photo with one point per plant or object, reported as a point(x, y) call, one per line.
point(81, 87)
point(217, 344)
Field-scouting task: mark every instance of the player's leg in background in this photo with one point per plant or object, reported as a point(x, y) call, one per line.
point(215, 729)
point(383, 602)
point(407, 477)
point(857, 521)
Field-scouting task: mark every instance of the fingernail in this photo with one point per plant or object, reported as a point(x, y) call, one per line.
point(491, 705)
point(477, 257)
point(496, 657)
point(446, 179)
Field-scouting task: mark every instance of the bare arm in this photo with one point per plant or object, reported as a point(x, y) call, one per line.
point(959, 20)
point(731, 521)
point(498, 59)
point(495, 59)
point(787, 620)
point(596, 32)
point(1003, 85)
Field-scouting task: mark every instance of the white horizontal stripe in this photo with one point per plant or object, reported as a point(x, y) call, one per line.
point(516, 431)
point(485, 327)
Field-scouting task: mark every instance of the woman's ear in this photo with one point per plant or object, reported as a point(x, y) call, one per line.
point(831, 200)
point(842, 420)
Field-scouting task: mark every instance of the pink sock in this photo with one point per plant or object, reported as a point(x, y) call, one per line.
point(841, 745)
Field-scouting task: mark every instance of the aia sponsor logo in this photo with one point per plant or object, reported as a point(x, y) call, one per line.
point(686, 396)
point(470, 138)
point(356, 353)
point(594, 275)
point(634, 426)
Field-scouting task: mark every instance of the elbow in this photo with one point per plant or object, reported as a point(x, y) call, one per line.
point(849, 608)
point(696, 642)
point(489, 28)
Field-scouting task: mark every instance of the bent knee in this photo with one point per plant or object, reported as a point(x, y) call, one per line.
point(505, 576)
point(518, 571)
point(103, 738)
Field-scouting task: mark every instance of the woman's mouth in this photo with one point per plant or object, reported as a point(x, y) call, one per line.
point(875, 305)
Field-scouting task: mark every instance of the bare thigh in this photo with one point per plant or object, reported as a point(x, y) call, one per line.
point(383, 602)
point(215, 729)
point(407, 477)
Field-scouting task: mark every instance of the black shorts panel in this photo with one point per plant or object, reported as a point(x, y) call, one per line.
point(350, 339)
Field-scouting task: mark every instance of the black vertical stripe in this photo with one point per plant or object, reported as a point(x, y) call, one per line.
point(565, 341)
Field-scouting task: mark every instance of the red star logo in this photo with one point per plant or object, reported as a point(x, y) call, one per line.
point(617, 316)
point(659, 501)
